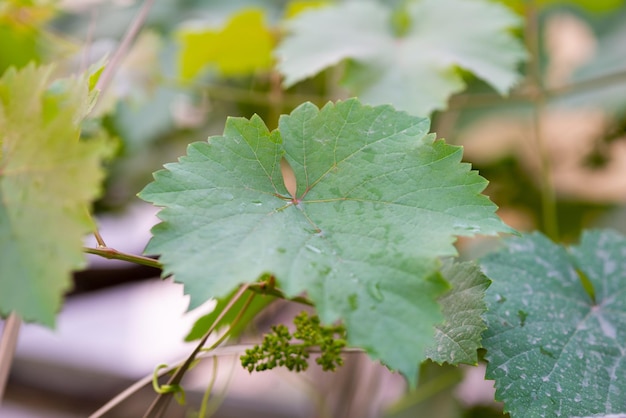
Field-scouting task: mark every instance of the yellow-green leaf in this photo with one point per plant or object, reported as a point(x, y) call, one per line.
point(242, 47)
point(48, 178)
point(21, 31)
point(296, 7)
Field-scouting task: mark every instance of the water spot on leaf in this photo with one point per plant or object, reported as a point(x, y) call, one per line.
point(353, 301)
point(281, 250)
point(522, 317)
point(607, 328)
point(313, 249)
point(466, 227)
point(545, 352)
point(374, 291)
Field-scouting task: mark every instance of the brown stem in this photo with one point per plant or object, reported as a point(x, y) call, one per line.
point(122, 50)
point(7, 348)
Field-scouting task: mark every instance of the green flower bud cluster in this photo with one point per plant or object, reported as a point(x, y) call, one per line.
point(281, 348)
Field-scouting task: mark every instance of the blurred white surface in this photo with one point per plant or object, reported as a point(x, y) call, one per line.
point(125, 330)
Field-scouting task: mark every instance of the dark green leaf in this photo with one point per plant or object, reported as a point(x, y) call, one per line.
point(552, 351)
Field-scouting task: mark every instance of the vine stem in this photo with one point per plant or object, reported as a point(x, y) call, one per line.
point(129, 37)
point(7, 348)
point(135, 387)
point(260, 287)
point(161, 402)
point(219, 351)
point(110, 69)
point(113, 254)
point(207, 393)
point(538, 93)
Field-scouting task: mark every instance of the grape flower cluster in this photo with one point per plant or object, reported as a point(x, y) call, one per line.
point(280, 348)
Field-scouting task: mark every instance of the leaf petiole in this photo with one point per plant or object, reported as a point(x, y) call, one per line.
point(113, 254)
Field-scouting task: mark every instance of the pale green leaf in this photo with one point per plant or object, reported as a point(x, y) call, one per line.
point(378, 201)
point(415, 72)
point(48, 178)
point(458, 338)
point(552, 350)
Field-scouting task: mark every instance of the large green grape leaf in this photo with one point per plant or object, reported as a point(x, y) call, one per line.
point(48, 178)
point(415, 72)
point(552, 350)
point(458, 338)
point(378, 201)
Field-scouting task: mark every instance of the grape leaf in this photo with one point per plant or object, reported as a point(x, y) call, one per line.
point(552, 350)
point(205, 322)
point(458, 338)
point(242, 47)
point(48, 177)
point(378, 201)
point(22, 36)
point(415, 72)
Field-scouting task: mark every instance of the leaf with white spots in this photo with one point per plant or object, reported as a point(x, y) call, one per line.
point(556, 335)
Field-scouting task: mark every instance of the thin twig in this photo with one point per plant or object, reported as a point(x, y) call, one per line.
point(109, 71)
point(548, 195)
point(260, 288)
point(7, 348)
point(207, 393)
point(84, 60)
point(138, 385)
point(99, 239)
point(158, 407)
point(219, 351)
point(111, 68)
